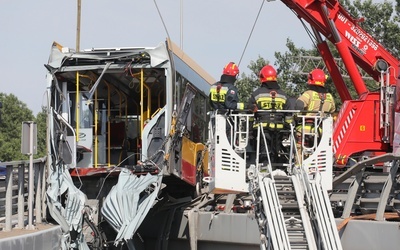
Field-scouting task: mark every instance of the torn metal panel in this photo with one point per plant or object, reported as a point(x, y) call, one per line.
point(124, 207)
point(69, 216)
point(59, 55)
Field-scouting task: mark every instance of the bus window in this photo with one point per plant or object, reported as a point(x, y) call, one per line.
point(85, 111)
point(199, 118)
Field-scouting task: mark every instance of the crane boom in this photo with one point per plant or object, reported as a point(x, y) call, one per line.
point(354, 135)
point(355, 45)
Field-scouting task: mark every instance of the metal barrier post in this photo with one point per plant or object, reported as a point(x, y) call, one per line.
point(31, 187)
point(38, 193)
point(21, 192)
point(29, 137)
point(8, 205)
point(43, 171)
point(13, 211)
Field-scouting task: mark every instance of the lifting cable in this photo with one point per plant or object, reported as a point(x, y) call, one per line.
point(313, 39)
point(309, 33)
point(314, 42)
point(251, 32)
point(162, 20)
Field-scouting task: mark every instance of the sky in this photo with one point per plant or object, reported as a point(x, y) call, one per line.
point(211, 32)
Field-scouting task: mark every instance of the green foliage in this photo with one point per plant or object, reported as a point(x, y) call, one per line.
point(291, 81)
point(381, 20)
point(14, 112)
point(295, 83)
point(247, 84)
point(41, 120)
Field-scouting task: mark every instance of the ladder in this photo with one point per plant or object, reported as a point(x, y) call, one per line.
point(293, 213)
point(293, 208)
point(281, 214)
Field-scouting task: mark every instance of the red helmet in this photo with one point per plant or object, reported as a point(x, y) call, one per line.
point(317, 77)
point(231, 69)
point(267, 74)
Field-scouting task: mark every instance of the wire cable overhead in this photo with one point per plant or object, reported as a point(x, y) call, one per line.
point(251, 32)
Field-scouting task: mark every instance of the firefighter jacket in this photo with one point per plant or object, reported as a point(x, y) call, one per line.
point(316, 98)
point(269, 96)
point(224, 94)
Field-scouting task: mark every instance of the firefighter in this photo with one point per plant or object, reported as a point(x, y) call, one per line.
point(269, 96)
point(224, 94)
point(315, 99)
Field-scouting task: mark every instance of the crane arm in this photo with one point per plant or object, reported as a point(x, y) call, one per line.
point(355, 45)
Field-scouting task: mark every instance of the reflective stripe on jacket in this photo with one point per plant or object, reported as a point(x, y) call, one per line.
point(312, 101)
point(224, 96)
point(269, 97)
point(271, 101)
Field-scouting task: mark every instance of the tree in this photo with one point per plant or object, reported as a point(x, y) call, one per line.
point(41, 121)
point(14, 112)
point(381, 20)
point(287, 78)
point(295, 83)
point(290, 80)
point(247, 84)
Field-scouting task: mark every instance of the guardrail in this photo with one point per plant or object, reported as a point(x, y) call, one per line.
point(15, 210)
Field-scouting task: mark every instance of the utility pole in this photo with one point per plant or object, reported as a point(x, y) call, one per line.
point(78, 25)
point(181, 24)
point(78, 37)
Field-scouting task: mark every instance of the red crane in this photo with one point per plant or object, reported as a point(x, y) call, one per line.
point(364, 127)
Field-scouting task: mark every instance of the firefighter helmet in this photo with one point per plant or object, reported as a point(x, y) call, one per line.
point(231, 69)
point(267, 74)
point(317, 77)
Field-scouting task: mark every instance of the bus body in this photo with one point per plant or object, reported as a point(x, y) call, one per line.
point(116, 113)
